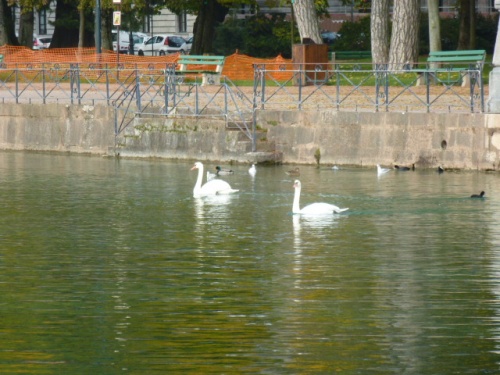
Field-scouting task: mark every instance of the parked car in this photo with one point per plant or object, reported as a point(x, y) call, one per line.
point(162, 45)
point(41, 41)
point(125, 40)
point(329, 36)
point(138, 40)
point(187, 45)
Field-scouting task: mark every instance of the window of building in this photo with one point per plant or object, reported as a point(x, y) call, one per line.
point(182, 22)
point(146, 24)
point(42, 22)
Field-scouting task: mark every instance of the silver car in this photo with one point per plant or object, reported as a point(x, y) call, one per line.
point(161, 45)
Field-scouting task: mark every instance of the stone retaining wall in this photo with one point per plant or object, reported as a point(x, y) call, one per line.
point(463, 141)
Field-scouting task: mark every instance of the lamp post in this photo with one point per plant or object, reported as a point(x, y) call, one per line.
point(494, 97)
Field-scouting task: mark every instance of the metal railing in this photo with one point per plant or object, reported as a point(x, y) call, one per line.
point(361, 87)
point(146, 91)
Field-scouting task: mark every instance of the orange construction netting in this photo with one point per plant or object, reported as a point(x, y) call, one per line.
point(236, 66)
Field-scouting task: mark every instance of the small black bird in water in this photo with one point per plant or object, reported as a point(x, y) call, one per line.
point(293, 172)
point(440, 169)
point(401, 168)
point(480, 195)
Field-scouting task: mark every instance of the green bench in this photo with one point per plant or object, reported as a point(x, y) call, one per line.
point(351, 55)
point(452, 67)
point(192, 64)
point(189, 60)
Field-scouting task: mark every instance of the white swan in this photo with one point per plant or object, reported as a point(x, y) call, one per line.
point(381, 171)
point(252, 170)
point(212, 187)
point(314, 208)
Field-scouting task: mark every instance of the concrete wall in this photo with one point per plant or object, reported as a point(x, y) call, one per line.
point(56, 127)
point(464, 141)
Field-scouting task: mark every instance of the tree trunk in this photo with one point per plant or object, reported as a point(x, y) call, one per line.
point(81, 29)
point(379, 25)
point(26, 22)
point(210, 15)
point(404, 42)
point(7, 32)
point(3, 31)
point(66, 24)
point(106, 27)
point(465, 18)
point(434, 26)
point(472, 15)
point(307, 20)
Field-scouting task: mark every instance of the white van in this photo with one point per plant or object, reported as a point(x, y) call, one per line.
point(125, 40)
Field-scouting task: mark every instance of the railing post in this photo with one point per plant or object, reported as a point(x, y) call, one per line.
point(302, 75)
point(387, 86)
point(17, 84)
point(196, 98)
point(107, 83)
point(43, 83)
point(73, 85)
point(76, 71)
point(427, 90)
point(138, 90)
point(337, 86)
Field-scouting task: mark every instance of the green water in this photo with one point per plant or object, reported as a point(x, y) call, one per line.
point(111, 267)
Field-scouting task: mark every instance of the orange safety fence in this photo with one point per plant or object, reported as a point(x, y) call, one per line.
point(236, 66)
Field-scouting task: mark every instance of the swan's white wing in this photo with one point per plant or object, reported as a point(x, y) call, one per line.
point(214, 187)
point(321, 209)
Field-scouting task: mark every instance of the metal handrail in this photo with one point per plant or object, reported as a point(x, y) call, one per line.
point(138, 92)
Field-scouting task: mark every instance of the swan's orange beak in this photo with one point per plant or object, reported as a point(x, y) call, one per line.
point(194, 167)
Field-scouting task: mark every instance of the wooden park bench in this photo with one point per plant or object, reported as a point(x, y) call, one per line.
point(351, 55)
point(196, 65)
point(455, 67)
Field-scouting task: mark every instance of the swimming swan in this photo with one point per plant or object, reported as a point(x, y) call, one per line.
point(212, 187)
point(252, 170)
point(381, 170)
point(314, 208)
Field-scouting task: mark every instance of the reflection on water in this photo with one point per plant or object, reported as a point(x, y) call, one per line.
point(113, 267)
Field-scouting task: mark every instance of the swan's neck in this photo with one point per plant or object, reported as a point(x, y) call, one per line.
point(197, 186)
point(296, 199)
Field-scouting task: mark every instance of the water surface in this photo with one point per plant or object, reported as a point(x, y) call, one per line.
point(110, 266)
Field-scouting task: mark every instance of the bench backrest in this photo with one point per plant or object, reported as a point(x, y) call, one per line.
point(466, 57)
point(185, 60)
point(341, 55)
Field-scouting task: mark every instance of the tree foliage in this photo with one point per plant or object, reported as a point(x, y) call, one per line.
point(257, 36)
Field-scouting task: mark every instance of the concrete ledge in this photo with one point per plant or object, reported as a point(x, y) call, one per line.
point(462, 141)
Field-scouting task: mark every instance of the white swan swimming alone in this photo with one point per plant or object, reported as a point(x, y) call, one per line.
point(212, 187)
point(252, 170)
point(314, 208)
point(381, 170)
